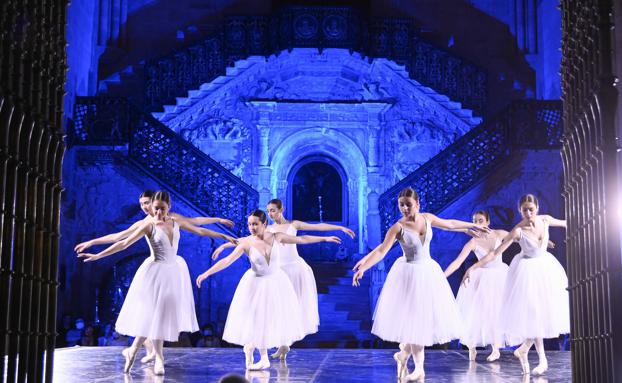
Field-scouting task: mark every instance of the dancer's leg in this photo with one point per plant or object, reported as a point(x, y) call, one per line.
point(263, 363)
point(249, 349)
point(472, 352)
point(543, 364)
point(418, 353)
point(150, 356)
point(521, 354)
point(401, 357)
point(495, 354)
point(130, 353)
point(281, 353)
point(158, 349)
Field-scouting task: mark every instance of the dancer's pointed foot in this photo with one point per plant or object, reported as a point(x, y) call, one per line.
point(401, 357)
point(541, 368)
point(248, 355)
point(130, 356)
point(524, 361)
point(281, 353)
point(416, 375)
point(158, 367)
point(263, 364)
point(494, 355)
point(150, 357)
point(472, 353)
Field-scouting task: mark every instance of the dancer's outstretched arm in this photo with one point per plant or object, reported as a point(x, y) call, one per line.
point(466, 250)
point(143, 229)
point(206, 232)
point(225, 262)
point(554, 221)
point(110, 238)
point(363, 260)
point(507, 241)
point(198, 221)
point(454, 224)
point(377, 254)
point(305, 239)
point(300, 225)
point(220, 249)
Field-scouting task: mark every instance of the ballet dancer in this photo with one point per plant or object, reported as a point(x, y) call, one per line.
point(158, 305)
point(416, 307)
point(264, 311)
point(535, 299)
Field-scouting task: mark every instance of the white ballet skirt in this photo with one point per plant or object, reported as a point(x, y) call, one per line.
point(301, 276)
point(416, 304)
point(264, 310)
point(535, 299)
point(480, 301)
point(159, 303)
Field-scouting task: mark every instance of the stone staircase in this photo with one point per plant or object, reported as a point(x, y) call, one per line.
point(345, 317)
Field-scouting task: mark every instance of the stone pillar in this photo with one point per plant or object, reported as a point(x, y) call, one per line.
point(265, 172)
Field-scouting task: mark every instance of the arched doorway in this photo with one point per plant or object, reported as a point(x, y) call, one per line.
point(317, 191)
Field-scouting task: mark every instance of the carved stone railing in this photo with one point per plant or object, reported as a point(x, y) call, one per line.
point(175, 163)
point(320, 27)
point(445, 177)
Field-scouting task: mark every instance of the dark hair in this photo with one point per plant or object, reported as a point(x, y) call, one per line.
point(147, 194)
point(277, 202)
point(163, 196)
point(232, 378)
point(484, 213)
point(409, 192)
point(528, 198)
point(260, 214)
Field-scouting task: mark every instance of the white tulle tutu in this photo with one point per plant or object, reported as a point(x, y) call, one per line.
point(480, 302)
point(535, 299)
point(159, 303)
point(416, 305)
point(303, 280)
point(264, 311)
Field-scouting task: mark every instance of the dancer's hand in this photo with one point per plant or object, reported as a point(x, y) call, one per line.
point(477, 232)
point(226, 222)
point(89, 257)
point(217, 252)
point(230, 239)
point(551, 245)
point(360, 263)
point(332, 239)
point(348, 231)
point(80, 247)
point(467, 277)
point(357, 277)
point(200, 279)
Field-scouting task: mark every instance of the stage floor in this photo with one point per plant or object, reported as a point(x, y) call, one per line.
point(105, 364)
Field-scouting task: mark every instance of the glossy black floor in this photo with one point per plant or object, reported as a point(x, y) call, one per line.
point(104, 364)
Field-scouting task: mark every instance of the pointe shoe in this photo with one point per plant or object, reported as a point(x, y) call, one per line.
point(401, 358)
point(148, 358)
point(472, 353)
point(416, 375)
point(281, 353)
point(524, 361)
point(494, 355)
point(158, 367)
point(540, 368)
point(248, 355)
point(130, 357)
point(263, 364)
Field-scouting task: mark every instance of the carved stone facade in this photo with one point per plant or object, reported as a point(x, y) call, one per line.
point(266, 115)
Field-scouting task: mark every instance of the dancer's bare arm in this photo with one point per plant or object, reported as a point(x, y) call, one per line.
point(507, 241)
point(106, 239)
point(377, 254)
point(554, 221)
point(143, 229)
point(454, 224)
point(224, 263)
point(220, 249)
point(300, 225)
point(205, 232)
point(466, 250)
point(198, 221)
point(304, 239)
